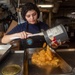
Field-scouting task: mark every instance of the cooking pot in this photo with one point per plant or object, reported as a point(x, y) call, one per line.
point(56, 35)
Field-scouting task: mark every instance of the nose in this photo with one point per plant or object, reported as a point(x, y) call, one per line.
point(32, 17)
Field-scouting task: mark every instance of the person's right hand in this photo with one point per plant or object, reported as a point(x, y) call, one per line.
point(23, 34)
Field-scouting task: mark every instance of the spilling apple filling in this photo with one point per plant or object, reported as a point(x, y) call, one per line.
point(45, 58)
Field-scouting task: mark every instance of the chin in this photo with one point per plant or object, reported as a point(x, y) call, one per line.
point(32, 22)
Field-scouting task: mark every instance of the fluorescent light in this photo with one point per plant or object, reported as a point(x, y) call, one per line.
point(5, 1)
point(45, 5)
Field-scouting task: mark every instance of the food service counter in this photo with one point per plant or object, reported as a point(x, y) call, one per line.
point(12, 58)
point(21, 58)
point(68, 63)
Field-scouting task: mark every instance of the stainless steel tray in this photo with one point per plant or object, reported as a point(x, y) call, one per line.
point(68, 55)
point(4, 50)
point(13, 57)
point(34, 70)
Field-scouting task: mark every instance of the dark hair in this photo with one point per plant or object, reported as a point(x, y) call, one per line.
point(29, 6)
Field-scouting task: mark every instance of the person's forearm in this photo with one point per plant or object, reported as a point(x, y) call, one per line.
point(7, 38)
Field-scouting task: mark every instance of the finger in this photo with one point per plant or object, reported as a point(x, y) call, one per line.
point(54, 45)
point(22, 35)
point(25, 34)
point(28, 34)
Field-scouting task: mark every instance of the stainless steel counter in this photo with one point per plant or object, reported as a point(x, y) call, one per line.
point(15, 57)
point(67, 55)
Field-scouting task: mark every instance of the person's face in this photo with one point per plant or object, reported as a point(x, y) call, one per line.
point(31, 16)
